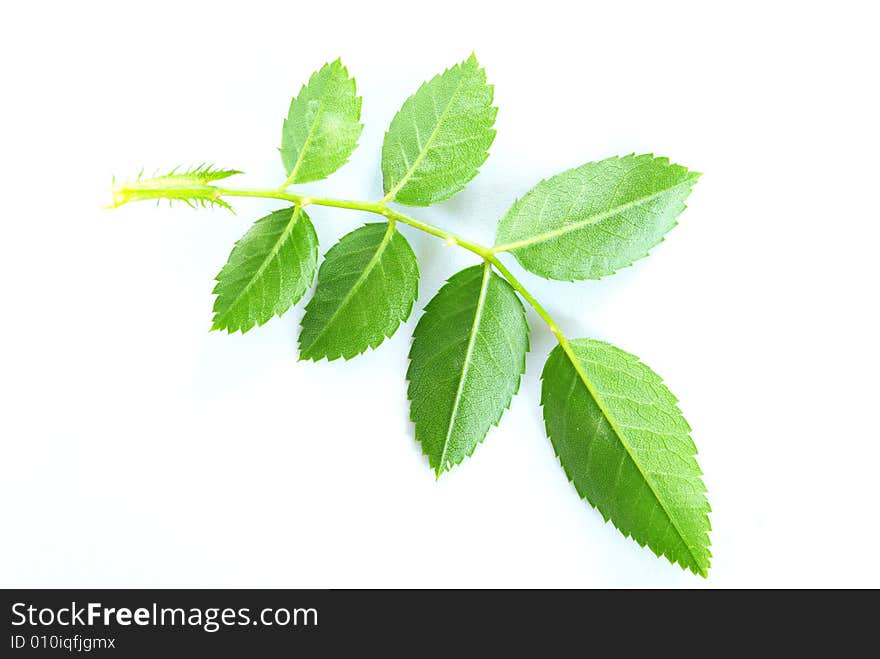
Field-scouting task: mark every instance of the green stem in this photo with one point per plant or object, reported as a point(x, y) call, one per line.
point(488, 254)
point(377, 207)
point(528, 297)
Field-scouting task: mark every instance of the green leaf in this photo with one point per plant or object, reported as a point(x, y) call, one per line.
point(323, 125)
point(440, 137)
point(590, 221)
point(269, 269)
point(468, 353)
point(366, 287)
point(624, 444)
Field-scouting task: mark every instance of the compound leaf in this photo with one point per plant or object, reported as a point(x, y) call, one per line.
point(590, 221)
point(270, 268)
point(625, 446)
point(323, 125)
point(366, 287)
point(467, 356)
point(440, 137)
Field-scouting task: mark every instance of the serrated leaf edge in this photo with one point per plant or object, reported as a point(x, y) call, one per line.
point(291, 178)
point(691, 181)
point(392, 194)
point(386, 240)
point(697, 568)
point(217, 323)
point(441, 468)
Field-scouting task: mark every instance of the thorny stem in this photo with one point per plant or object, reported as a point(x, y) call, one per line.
point(488, 254)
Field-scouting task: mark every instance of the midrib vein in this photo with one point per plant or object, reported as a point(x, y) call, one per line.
point(302, 153)
point(424, 152)
point(266, 261)
point(359, 282)
point(484, 285)
point(622, 438)
point(593, 219)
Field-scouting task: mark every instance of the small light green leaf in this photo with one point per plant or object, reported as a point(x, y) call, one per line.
point(590, 221)
point(468, 353)
point(366, 287)
point(192, 186)
point(440, 137)
point(624, 444)
point(268, 271)
point(323, 125)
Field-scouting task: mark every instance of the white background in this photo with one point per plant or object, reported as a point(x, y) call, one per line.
point(140, 449)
